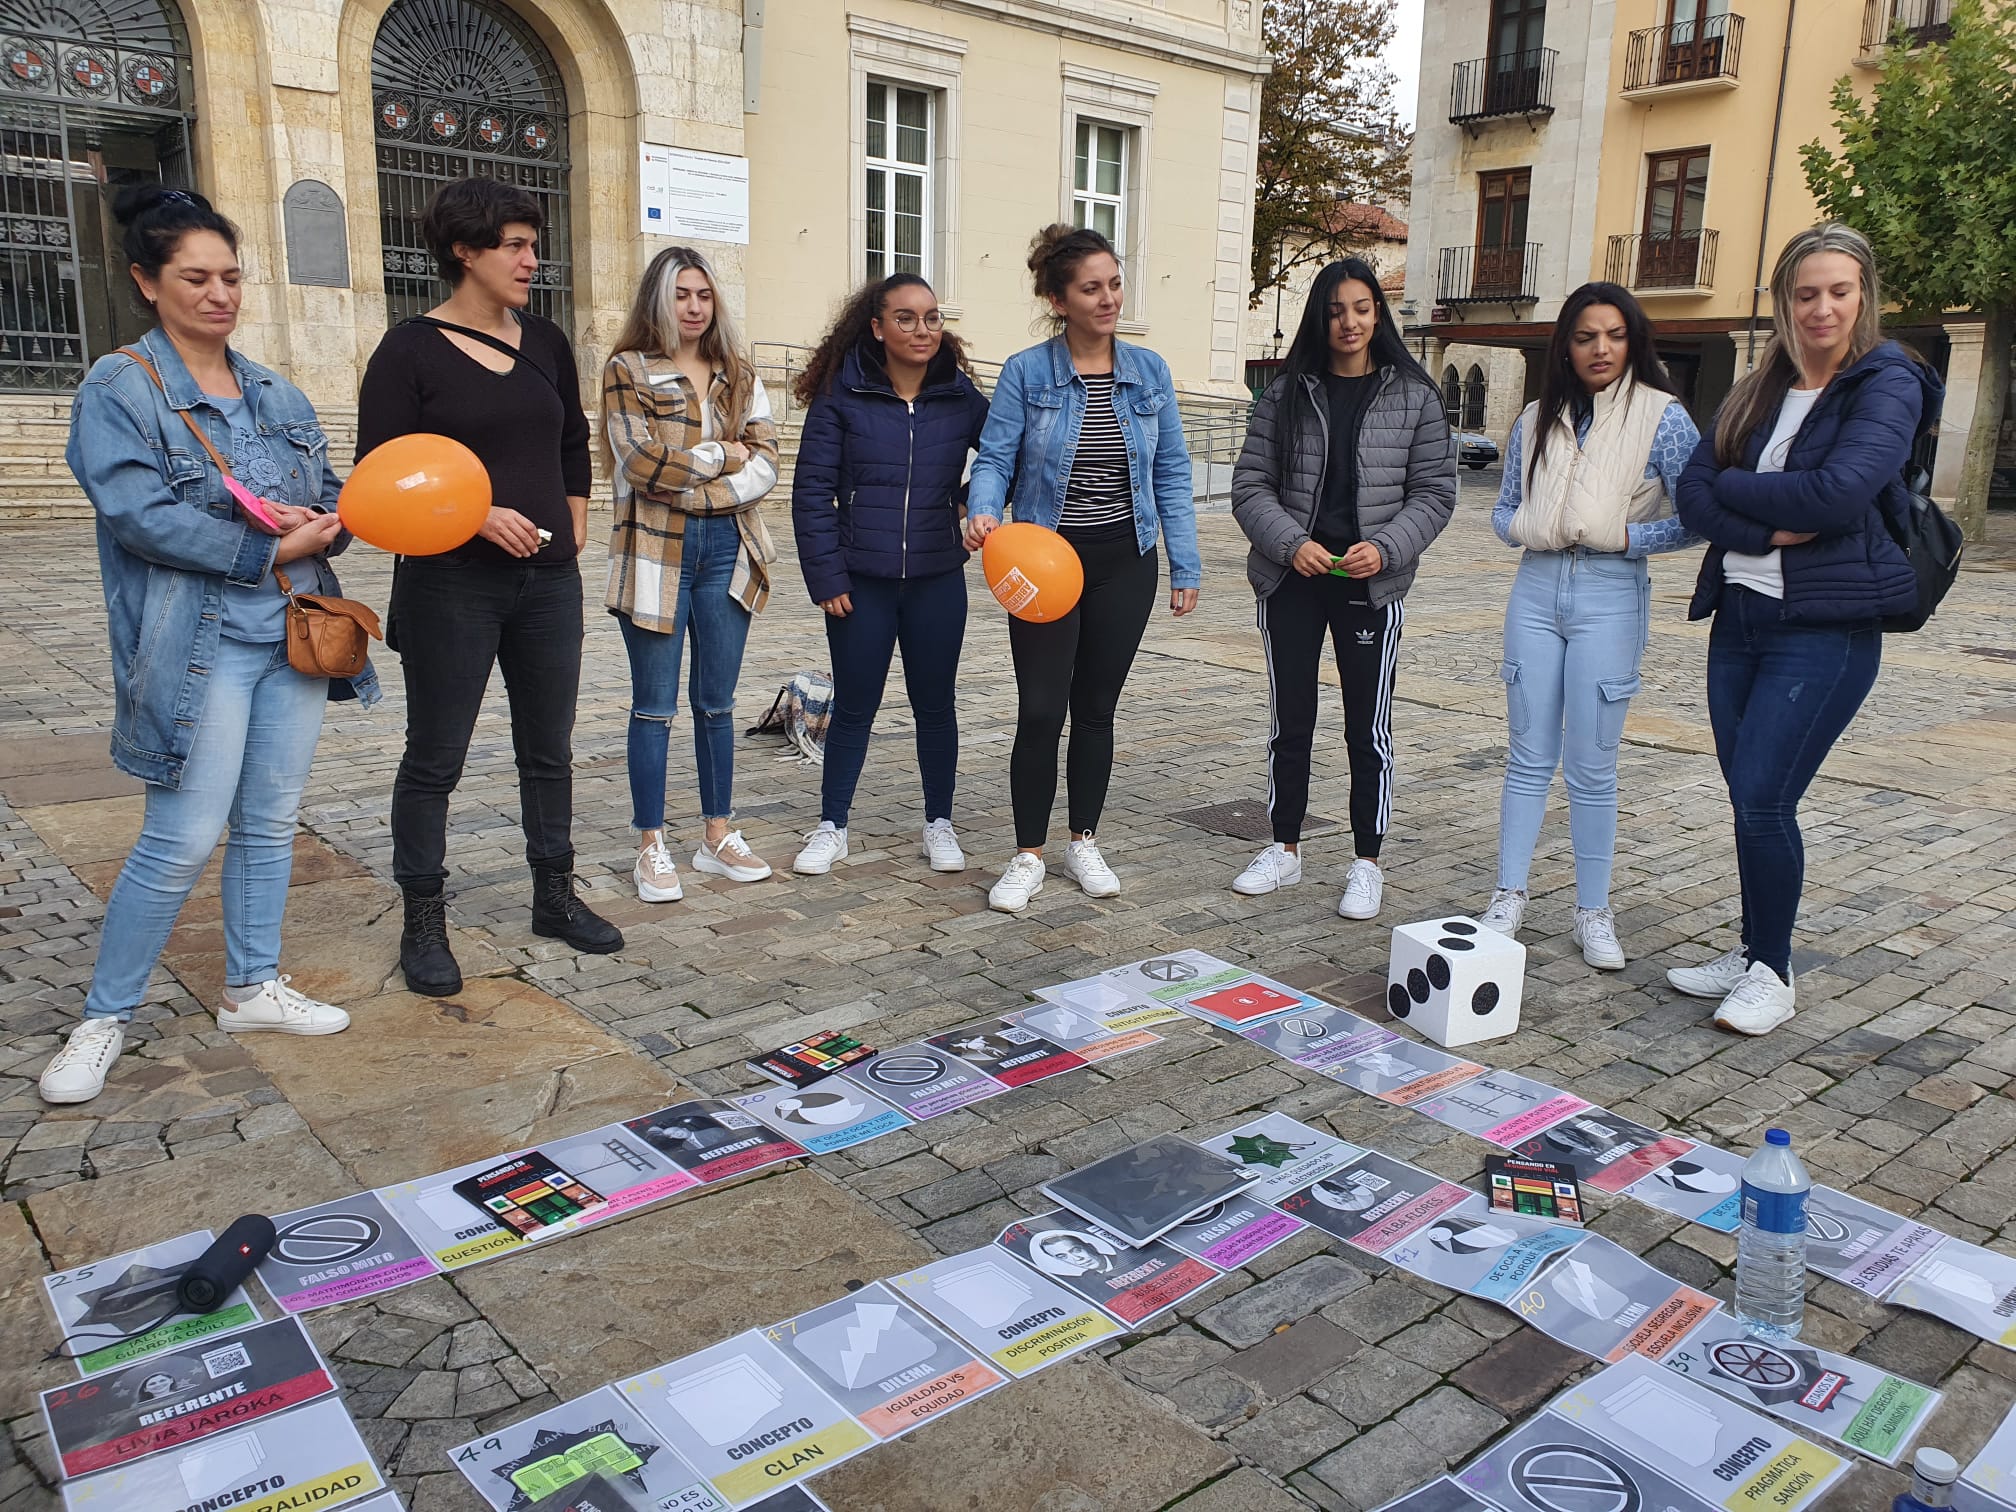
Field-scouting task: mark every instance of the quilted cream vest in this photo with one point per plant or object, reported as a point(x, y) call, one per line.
point(1585, 495)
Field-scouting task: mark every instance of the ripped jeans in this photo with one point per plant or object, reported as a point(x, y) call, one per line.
point(719, 628)
point(1779, 696)
point(1575, 628)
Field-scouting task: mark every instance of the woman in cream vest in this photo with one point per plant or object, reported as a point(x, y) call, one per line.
point(1589, 477)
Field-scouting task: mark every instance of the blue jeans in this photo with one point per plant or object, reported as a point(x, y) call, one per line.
point(1575, 628)
point(720, 629)
point(246, 769)
point(1779, 696)
point(927, 617)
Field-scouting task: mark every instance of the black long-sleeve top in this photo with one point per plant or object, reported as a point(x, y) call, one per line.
point(526, 425)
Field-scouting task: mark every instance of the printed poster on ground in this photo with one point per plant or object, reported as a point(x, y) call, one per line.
point(1474, 1249)
point(1283, 1154)
point(1373, 1201)
point(594, 1437)
point(340, 1251)
point(103, 1303)
point(1133, 1283)
point(1015, 1317)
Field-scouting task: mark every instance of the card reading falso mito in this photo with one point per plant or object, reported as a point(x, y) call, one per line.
point(883, 1360)
point(124, 1308)
point(595, 1437)
point(340, 1251)
point(923, 1081)
point(1318, 1038)
point(746, 1417)
point(1228, 1234)
point(1142, 1192)
point(1018, 1319)
point(713, 1140)
point(1134, 1283)
point(1868, 1248)
point(529, 1195)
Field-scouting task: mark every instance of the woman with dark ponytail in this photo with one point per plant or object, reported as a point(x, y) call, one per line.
point(1346, 477)
point(1084, 429)
point(876, 490)
point(208, 712)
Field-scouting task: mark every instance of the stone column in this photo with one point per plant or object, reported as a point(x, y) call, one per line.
point(1963, 392)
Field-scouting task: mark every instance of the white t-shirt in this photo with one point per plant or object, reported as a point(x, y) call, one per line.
point(1766, 574)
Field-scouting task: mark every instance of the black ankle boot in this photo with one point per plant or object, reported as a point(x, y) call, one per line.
point(423, 947)
point(558, 914)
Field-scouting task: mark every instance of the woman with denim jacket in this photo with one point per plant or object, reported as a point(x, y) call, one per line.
point(208, 712)
point(1085, 429)
point(1589, 472)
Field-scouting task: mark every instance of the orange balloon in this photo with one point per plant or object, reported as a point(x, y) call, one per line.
point(1033, 572)
point(417, 495)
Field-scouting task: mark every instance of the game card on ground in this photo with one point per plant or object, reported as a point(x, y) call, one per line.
point(1605, 1301)
point(340, 1251)
point(1403, 1071)
point(1862, 1245)
point(1319, 1038)
point(1703, 1186)
point(597, 1436)
point(1134, 1283)
point(124, 1308)
point(831, 1115)
point(1501, 1107)
point(1142, 1192)
point(1014, 1316)
point(1373, 1201)
point(443, 1224)
point(623, 1168)
point(1115, 1005)
point(1283, 1154)
point(1472, 1248)
point(1013, 1055)
point(1551, 1464)
point(1228, 1234)
point(1608, 1150)
point(923, 1081)
point(713, 1140)
point(1086, 1036)
point(1971, 1287)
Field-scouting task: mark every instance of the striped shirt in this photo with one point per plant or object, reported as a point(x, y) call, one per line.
point(1100, 490)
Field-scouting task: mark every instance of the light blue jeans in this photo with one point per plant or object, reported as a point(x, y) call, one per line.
point(1575, 629)
point(246, 770)
point(719, 627)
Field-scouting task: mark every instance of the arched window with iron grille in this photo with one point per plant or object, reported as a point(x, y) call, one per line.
point(94, 95)
point(1452, 396)
point(462, 88)
point(1473, 399)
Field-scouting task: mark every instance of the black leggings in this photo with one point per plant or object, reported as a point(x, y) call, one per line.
point(1077, 666)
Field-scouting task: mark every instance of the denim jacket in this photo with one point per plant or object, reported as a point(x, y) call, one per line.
point(1031, 436)
point(169, 536)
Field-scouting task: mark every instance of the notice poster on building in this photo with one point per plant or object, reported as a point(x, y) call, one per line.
point(124, 1308)
point(340, 1251)
point(1814, 1390)
point(1133, 1283)
point(747, 1418)
point(686, 194)
point(594, 1437)
point(1015, 1317)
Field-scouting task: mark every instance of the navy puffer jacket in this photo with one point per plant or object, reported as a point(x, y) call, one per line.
point(877, 483)
point(1843, 477)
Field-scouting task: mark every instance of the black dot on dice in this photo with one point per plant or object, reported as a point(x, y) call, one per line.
point(1459, 927)
point(1438, 971)
point(1484, 999)
point(1417, 985)
point(1450, 942)
point(1398, 1002)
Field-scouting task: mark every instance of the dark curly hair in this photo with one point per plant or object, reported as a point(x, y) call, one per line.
point(155, 218)
point(851, 328)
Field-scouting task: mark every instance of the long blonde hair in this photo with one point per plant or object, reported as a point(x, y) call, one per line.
point(652, 329)
point(1755, 399)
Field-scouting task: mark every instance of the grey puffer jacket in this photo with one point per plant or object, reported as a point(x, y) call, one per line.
point(1406, 478)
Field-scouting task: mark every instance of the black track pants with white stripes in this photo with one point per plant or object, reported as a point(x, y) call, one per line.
point(1293, 622)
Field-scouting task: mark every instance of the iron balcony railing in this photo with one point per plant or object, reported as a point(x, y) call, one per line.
point(1922, 23)
point(1488, 275)
point(1651, 264)
point(1514, 84)
point(1686, 52)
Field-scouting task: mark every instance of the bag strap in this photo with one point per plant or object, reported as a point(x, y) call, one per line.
point(187, 419)
point(517, 353)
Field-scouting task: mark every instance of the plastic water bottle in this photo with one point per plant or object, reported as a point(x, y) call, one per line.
point(1933, 1472)
point(1771, 1252)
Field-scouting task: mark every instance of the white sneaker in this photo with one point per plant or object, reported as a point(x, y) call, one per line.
point(1274, 868)
point(1711, 979)
point(1019, 883)
point(1363, 888)
point(1758, 1004)
point(1084, 865)
point(657, 874)
point(1596, 933)
point(732, 858)
point(941, 847)
point(1506, 913)
point(822, 848)
point(77, 1074)
point(279, 1007)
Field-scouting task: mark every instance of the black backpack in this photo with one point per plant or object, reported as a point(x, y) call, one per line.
point(1932, 543)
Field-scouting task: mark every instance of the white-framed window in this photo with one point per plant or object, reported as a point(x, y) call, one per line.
point(896, 184)
point(1099, 179)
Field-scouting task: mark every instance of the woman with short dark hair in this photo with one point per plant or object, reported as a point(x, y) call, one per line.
point(482, 370)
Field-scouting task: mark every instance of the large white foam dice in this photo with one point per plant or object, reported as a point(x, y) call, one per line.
point(1455, 981)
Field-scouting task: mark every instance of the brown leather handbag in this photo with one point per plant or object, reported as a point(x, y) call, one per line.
point(326, 636)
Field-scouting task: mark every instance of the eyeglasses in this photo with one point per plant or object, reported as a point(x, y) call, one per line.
point(908, 321)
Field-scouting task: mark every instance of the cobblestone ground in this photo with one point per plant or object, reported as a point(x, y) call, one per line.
point(1309, 1379)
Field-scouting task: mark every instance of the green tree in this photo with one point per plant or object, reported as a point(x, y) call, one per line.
point(1328, 133)
point(1927, 171)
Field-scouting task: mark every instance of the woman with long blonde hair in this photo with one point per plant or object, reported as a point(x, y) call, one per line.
point(1797, 490)
point(688, 438)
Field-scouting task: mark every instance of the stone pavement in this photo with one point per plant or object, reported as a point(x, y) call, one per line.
point(1312, 1378)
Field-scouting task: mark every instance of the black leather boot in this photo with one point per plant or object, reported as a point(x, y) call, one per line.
point(423, 946)
point(559, 915)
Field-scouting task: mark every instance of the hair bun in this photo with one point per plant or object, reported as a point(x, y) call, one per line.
point(136, 200)
point(1044, 244)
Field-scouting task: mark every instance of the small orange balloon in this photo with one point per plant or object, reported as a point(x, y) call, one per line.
point(416, 495)
point(1032, 571)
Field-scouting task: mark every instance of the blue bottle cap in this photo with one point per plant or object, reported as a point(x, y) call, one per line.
point(1777, 1137)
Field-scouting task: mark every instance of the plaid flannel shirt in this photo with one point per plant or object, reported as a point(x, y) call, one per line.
point(665, 471)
